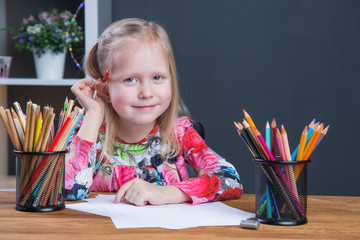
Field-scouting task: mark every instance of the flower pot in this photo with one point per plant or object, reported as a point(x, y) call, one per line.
point(50, 66)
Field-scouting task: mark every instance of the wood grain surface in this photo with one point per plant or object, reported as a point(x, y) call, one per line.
point(329, 217)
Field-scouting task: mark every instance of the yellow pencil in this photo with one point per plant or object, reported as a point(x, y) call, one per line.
point(37, 129)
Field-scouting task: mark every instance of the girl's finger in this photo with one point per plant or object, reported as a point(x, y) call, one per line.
point(121, 193)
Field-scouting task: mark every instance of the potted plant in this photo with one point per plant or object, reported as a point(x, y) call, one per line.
point(48, 36)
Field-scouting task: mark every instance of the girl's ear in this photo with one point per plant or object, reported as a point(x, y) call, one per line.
point(102, 90)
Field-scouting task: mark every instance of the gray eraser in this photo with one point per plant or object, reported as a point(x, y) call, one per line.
point(250, 224)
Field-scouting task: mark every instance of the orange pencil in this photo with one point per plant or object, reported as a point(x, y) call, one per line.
point(323, 133)
point(307, 153)
point(310, 149)
point(249, 120)
point(302, 144)
point(313, 139)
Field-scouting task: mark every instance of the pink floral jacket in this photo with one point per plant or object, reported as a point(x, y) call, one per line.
point(217, 179)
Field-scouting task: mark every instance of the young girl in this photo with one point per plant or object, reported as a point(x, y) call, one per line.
point(133, 138)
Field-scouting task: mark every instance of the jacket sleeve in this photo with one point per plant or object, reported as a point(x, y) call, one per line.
point(79, 162)
point(217, 179)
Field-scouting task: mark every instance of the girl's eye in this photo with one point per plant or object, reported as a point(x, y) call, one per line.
point(130, 80)
point(158, 78)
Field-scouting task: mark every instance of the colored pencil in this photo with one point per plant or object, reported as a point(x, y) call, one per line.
point(239, 127)
point(30, 145)
point(263, 144)
point(6, 124)
point(282, 153)
point(27, 124)
point(273, 137)
point(288, 158)
point(18, 127)
point(323, 133)
point(300, 153)
point(249, 120)
point(312, 141)
point(13, 132)
point(310, 132)
point(38, 125)
point(268, 135)
point(253, 139)
point(21, 116)
point(282, 179)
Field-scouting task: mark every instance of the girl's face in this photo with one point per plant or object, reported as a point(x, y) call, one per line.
point(140, 84)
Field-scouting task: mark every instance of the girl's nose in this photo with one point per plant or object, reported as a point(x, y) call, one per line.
point(145, 91)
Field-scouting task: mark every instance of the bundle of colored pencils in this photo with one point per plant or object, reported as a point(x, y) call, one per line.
point(41, 161)
point(280, 180)
point(34, 132)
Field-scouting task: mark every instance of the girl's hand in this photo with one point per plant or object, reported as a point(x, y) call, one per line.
point(140, 192)
point(95, 108)
point(84, 91)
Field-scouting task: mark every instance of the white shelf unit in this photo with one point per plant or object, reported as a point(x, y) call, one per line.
point(93, 24)
point(37, 82)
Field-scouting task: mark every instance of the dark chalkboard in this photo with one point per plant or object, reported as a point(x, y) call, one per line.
point(292, 60)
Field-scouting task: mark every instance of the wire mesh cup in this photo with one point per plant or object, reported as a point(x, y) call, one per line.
point(40, 181)
point(281, 192)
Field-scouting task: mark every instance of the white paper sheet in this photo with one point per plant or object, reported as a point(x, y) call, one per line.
point(171, 216)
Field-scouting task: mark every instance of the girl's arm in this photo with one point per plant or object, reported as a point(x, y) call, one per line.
point(217, 179)
point(82, 155)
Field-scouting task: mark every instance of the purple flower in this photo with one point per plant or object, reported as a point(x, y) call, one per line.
point(23, 35)
point(43, 15)
point(25, 21)
point(30, 38)
point(21, 41)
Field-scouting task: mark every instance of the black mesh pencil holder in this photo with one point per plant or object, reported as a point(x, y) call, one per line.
point(40, 178)
point(281, 192)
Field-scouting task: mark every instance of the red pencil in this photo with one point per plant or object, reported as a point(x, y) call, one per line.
point(106, 75)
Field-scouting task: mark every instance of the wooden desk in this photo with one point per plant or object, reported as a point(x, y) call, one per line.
point(328, 218)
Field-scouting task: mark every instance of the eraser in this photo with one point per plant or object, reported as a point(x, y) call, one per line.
point(250, 224)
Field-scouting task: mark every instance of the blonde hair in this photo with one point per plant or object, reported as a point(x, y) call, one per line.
point(100, 58)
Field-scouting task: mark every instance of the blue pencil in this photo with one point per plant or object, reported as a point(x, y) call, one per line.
point(268, 135)
point(276, 209)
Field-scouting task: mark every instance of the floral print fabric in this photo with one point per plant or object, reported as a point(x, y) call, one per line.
point(84, 171)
